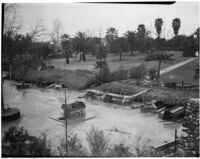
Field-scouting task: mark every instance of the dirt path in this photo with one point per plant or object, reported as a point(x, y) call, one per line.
point(170, 68)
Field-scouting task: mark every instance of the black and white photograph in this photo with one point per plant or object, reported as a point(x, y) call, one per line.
point(100, 79)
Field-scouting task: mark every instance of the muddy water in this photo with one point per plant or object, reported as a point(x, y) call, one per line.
point(37, 105)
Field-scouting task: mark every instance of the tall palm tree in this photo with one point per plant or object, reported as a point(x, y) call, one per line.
point(141, 35)
point(158, 26)
point(81, 44)
point(176, 24)
point(66, 46)
point(111, 36)
point(111, 33)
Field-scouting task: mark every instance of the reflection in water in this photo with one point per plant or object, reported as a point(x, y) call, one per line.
point(38, 105)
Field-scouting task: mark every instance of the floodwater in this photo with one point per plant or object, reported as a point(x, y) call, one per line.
point(37, 105)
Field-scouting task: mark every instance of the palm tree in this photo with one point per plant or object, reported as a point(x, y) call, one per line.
point(158, 26)
point(66, 46)
point(141, 28)
point(176, 24)
point(100, 65)
point(81, 44)
point(197, 33)
point(141, 35)
point(131, 38)
point(111, 36)
point(111, 33)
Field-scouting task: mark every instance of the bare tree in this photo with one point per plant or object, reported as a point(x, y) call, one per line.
point(100, 31)
point(11, 23)
point(56, 33)
point(39, 31)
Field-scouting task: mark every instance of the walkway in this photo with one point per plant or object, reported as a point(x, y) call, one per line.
point(170, 68)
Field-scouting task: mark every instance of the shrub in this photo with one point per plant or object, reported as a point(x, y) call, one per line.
point(120, 151)
point(152, 73)
point(143, 148)
point(75, 147)
point(18, 142)
point(98, 142)
point(104, 76)
point(118, 89)
point(120, 74)
point(138, 72)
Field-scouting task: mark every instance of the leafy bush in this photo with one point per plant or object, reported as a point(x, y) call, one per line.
point(138, 72)
point(120, 74)
point(18, 142)
point(120, 151)
point(157, 56)
point(152, 73)
point(104, 76)
point(75, 147)
point(98, 142)
point(143, 148)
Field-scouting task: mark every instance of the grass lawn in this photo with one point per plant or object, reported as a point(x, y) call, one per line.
point(184, 73)
point(114, 62)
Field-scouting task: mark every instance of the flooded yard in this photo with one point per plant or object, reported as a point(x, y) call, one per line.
point(37, 105)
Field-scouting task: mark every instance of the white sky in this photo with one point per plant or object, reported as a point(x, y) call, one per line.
point(79, 17)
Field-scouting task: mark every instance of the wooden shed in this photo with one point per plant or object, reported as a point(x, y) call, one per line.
point(174, 113)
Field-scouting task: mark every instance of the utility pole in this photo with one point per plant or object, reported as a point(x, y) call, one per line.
point(65, 113)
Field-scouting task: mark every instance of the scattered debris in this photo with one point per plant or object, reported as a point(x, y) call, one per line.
point(115, 129)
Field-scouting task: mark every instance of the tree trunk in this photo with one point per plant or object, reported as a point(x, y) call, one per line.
point(84, 58)
point(159, 65)
point(67, 59)
point(131, 52)
point(101, 75)
point(80, 56)
point(120, 56)
point(147, 54)
point(10, 71)
point(2, 100)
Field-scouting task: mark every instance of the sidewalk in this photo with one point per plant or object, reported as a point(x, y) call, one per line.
point(170, 68)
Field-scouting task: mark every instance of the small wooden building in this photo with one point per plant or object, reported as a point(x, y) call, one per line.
point(174, 113)
point(76, 109)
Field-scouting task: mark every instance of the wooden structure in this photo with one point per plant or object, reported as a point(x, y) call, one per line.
point(174, 113)
point(148, 107)
point(168, 148)
point(94, 94)
point(113, 98)
point(76, 109)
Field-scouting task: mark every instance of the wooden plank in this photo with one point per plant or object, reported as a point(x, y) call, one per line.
point(114, 95)
point(165, 146)
point(135, 95)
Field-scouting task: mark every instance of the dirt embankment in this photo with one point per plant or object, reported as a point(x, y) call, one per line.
point(73, 79)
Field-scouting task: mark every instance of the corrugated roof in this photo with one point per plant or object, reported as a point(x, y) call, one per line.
point(176, 109)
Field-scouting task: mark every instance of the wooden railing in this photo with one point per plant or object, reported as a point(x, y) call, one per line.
point(168, 148)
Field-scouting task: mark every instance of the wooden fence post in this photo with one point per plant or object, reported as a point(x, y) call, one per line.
point(175, 144)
